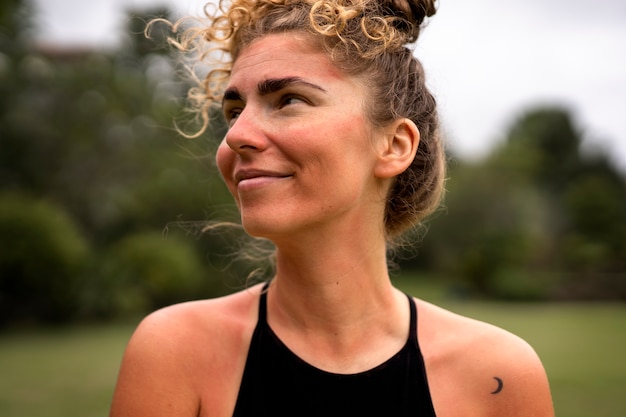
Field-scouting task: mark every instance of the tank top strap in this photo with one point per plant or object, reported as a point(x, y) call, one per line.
point(413, 321)
point(263, 304)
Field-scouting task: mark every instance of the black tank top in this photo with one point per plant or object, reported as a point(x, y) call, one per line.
point(277, 383)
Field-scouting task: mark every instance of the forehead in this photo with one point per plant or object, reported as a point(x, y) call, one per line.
point(289, 54)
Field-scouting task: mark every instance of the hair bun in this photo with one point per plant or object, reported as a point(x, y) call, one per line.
point(415, 11)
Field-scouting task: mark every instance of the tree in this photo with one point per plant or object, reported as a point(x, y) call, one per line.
point(493, 229)
point(537, 218)
point(91, 133)
point(550, 139)
point(42, 256)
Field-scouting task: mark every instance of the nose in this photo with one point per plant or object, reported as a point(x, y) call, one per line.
point(246, 133)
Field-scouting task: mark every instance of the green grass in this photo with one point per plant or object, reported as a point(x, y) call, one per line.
point(71, 372)
point(65, 372)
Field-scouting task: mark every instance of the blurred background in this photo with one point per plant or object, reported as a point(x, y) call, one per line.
point(102, 202)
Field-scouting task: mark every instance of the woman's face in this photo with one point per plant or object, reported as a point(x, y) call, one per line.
point(300, 151)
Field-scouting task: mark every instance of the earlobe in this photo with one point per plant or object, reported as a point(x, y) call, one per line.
point(398, 149)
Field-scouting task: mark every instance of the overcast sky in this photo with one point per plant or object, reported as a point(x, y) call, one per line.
point(487, 60)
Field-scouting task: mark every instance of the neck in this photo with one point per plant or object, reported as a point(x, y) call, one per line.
point(324, 306)
point(332, 285)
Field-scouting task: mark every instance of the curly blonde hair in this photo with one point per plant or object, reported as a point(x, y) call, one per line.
point(364, 38)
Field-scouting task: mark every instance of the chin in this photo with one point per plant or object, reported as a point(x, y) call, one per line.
point(261, 228)
point(267, 227)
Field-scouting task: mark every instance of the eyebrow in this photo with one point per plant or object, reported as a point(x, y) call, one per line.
point(270, 86)
point(273, 85)
point(231, 94)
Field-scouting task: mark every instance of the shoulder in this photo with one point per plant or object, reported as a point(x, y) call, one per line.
point(197, 327)
point(197, 320)
point(177, 352)
point(492, 371)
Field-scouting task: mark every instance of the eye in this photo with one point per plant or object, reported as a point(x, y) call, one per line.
point(290, 99)
point(231, 114)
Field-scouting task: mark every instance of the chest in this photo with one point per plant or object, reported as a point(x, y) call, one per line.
point(277, 383)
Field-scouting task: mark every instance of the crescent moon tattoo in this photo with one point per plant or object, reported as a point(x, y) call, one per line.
point(500, 385)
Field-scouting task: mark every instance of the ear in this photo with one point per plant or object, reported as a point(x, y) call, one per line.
point(397, 149)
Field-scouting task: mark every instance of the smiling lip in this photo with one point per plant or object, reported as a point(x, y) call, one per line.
point(259, 175)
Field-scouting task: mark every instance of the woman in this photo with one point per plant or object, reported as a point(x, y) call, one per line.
point(332, 153)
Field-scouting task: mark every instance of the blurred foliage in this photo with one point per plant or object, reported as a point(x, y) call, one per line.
point(536, 219)
point(41, 259)
point(93, 172)
point(142, 272)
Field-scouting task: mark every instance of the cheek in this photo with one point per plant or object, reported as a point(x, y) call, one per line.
point(330, 132)
point(351, 137)
point(224, 159)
